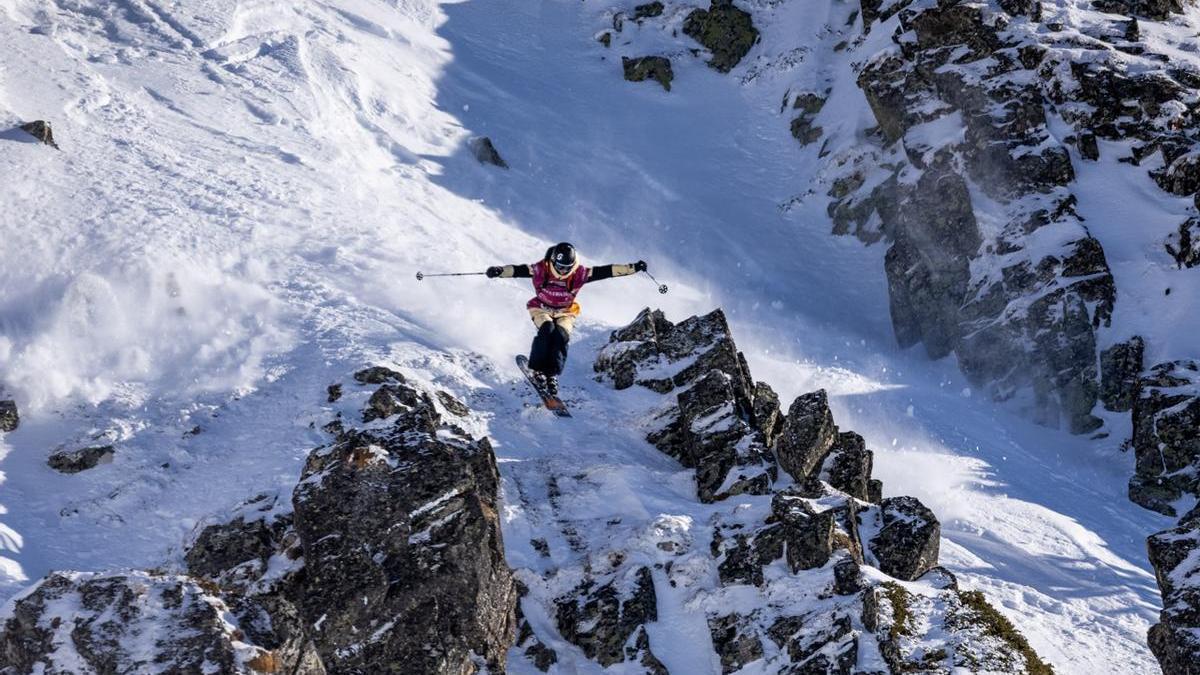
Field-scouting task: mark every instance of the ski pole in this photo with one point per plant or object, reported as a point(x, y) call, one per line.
point(422, 275)
point(662, 288)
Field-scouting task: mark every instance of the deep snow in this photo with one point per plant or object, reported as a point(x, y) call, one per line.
point(247, 188)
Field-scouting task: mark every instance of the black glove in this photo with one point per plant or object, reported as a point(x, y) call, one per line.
point(639, 266)
point(494, 272)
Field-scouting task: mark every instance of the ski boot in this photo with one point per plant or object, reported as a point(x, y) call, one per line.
point(551, 385)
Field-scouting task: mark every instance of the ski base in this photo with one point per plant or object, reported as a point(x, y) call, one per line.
point(553, 403)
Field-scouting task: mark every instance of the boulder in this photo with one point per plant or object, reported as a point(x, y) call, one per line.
point(1157, 10)
point(807, 435)
point(137, 622)
point(641, 68)
point(401, 522)
point(909, 537)
point(9, 418)
point(74, 461)
point(40, 129)
point(648, 10)
point(723, 29)
point(378, 375)
point(485, 151)
point(1120, 368)
point(768, 415)
point(848, 468)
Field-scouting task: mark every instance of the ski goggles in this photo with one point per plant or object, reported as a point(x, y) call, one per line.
point(561, 268)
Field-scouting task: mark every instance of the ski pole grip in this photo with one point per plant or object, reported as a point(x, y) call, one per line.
point(420, 276)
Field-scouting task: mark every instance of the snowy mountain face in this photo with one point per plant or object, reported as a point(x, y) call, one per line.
point(205, 478)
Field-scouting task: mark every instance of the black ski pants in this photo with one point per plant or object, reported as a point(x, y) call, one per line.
point(549, 351)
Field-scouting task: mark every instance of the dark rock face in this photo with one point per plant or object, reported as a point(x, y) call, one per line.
point(40, 129)
point(723, 29)
point(909, 538)
point(378, 375)
point(1120, 368)
point(1020, 319)
point(9, 419)
point(807, 435)
point(602, 623)
point(648, 10)
point(134, 622)
point(402, 523)
point(735, 647)
point(74, 461)
point(803, 127)
point(657, 68)
point(1174, 556)
point(1184, 245)
point(485, 151)
point(1166, 416)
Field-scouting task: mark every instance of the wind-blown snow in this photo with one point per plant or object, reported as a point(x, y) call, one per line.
point(247, 188)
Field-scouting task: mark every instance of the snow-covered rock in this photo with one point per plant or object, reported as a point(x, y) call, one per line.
point(10, 419)
point(1175, 554)
point(1166, 416)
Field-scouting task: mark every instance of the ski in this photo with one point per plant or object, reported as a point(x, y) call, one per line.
point(553, 403)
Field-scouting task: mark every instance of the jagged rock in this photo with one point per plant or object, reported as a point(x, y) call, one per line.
point(378, 375)
point(803, 128)
point(333, 393)
point(40, 130)
point(74, 461)
point(1120, 368)
point(451, 404)
point(768, 416)
point(133, 622)
point(847, 576)
point(601, 621)
point(1158, 10)
point(723, 29)
point(391, 399)
point(9, 418)
point(735, 646)
point(807, 435)
point(648, 10)
point(1184, 245)
point(1089, 147)
point(708, 433)
point(485, 151)
point(848, 468)
point(908, 540)
point(1165, 417)
point(401, 522)
point(239, 550)
point(817, 642)
point(1175, 556)
point(714, 426)
point(641, 68)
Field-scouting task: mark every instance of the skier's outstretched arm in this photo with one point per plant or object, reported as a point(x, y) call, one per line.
point(510, 271)
point(600, 272)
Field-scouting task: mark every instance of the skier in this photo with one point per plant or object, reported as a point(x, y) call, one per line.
point(557, 279)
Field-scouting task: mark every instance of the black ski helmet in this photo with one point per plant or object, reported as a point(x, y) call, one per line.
point(563, 257)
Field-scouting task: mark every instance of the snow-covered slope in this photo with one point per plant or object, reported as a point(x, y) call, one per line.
point(246, 190)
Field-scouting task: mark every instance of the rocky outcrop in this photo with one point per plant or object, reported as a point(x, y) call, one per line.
point(388, 552)
point(73, 622)
point(1175, 555)
point(1166, 416)
point(811, 546)
point(608, 624)
point(724, 30)
point(485, 151)
point(804, 129)
point(712, 425)
point(1021, 318)
point(1120, 369)
point(74, 461)
point(1184, 245)
point(642, 68)
point(9, 418)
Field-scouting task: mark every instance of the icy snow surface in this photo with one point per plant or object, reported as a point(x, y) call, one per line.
point(247, 188)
